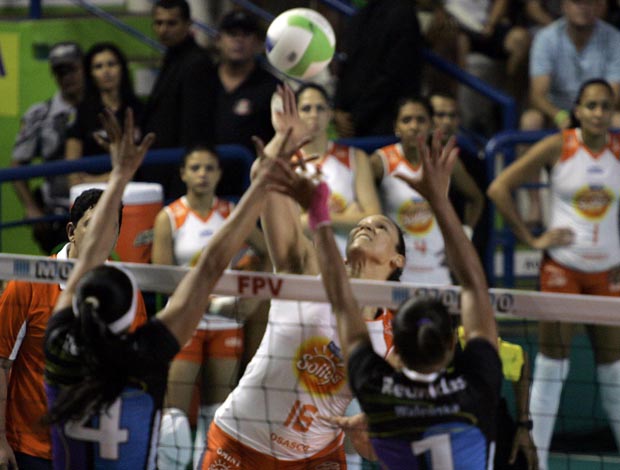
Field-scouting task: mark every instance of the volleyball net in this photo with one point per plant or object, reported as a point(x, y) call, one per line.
point(582, 438)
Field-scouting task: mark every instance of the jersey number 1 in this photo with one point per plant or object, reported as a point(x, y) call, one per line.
point(440, 449)
point(108, 435)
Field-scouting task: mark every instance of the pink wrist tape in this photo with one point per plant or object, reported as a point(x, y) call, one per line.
point(318, 213)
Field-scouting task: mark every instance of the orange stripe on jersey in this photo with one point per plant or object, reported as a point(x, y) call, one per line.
point(570, 144)
point(179, 212)
point(614, 145)
point(341, 153)
point(392, 155)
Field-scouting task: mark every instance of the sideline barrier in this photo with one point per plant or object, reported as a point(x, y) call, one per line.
point(164, 279)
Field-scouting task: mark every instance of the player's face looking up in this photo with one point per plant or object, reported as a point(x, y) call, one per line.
point(375, 238)
point(595, 108)
point(169, 25)
point(413, 121)
point(75, 233)
point(314, 111)
point(201, 172)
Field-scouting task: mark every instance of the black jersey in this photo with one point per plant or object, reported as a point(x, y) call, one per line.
point(438, 421)
point(124, 436)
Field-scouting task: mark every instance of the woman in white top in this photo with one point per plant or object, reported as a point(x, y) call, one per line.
point(345, 169)
point(581, 247)
point(423, 239)
point(182, 229)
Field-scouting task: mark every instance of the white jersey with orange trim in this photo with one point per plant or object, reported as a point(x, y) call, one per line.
point(190, 234)
point(584, 197)
point(425, 250)
point(380, 331)
point(297, 374)
point(338, 169)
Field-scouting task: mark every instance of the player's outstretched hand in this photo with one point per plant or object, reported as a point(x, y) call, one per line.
point(437, 163)
point(126, 156)
point(284, 115)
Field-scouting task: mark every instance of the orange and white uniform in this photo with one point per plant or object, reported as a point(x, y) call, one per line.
point(297, 374)
point(25, 308)
point(338, 169)
point(380, 331)
point(191, 233)
point(584, 197)
point(425, 250)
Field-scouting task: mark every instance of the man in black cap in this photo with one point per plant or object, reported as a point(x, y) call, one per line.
point(42, 134)
point(243, 87)
point(180, 108)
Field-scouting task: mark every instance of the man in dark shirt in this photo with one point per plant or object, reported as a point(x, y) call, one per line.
point(243, 89)
point(382, 64)
point(179, 109)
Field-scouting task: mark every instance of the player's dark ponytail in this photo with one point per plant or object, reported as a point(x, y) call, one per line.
point(102, 361)
point(422, 332)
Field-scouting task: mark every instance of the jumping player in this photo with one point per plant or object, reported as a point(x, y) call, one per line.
point(425, 415)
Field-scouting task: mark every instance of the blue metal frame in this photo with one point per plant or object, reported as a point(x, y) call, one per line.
point(504, 142)
point(237, 155)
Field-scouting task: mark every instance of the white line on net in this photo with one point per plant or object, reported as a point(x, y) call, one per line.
point(570, 308)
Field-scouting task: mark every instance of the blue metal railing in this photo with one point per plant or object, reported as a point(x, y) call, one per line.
point(504, 142)
point(231, 156)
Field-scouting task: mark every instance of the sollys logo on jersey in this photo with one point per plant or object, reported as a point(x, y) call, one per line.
point(337, 203)
point(416, 217)
point(592, 202)
point(319, 366)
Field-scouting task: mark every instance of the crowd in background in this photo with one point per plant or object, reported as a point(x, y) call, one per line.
point(540, 52)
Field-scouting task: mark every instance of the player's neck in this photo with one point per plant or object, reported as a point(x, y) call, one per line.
point(201, 203)
point(317, 146)
point(411, 154)
point(111, 99)
point(366, 269)
point(594, 142)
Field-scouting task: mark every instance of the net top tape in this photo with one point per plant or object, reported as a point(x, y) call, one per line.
point(569, 308)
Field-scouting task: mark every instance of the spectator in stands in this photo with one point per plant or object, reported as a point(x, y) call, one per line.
point(108, 85)
point(446, 117)
point(423, 240)
point(486, 28)
point(345, 169)
point(43, 133)
point(180, 107)
point(26, 308)
point(575, 48)
point(382, 63)
point(243, 88)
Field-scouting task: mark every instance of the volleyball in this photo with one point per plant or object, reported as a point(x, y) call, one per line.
point(300, 43)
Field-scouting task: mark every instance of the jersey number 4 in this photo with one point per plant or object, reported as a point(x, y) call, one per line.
point(108, 435)
point(440, 449)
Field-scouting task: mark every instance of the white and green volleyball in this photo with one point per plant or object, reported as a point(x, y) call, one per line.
point(300, 43)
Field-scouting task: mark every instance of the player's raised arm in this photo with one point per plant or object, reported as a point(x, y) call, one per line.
point(103, 227)
point(476, 310)
point(289, 248)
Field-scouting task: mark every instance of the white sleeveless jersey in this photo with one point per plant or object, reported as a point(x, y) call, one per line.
point(338, 169)
point(190, 234)
point(425, 250)
point(297, 373)
point(584, 197)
